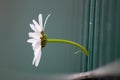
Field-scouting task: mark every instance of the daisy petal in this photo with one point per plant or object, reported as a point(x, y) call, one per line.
point(37, 48)
point(33, 60)
point(36, 54)
point(33, 27)
point(38, 58)
point(33, 44)
point(40, 21)
point(34, 35)
point(37, 26)
point(36, 45)
point(31, 40)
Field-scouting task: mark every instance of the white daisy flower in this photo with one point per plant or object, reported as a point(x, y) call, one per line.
point(37, 38)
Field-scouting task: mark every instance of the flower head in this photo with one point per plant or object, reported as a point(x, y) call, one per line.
point(37, 38)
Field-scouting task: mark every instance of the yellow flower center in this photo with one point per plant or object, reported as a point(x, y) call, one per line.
point(43, 39)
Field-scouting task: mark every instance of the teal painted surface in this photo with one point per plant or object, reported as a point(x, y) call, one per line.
point(93, 23)
point(100, 33)
point(106, 37)
point(16, 54)
point(98, 30)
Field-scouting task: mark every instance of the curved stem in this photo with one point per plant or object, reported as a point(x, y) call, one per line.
point(69, 42)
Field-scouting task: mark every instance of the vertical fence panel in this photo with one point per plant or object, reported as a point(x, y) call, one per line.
point(91, 33)
point(96, 34)
point(99, 32)
point(85, 30)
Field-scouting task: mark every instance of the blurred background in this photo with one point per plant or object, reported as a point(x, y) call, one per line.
point(92, 23)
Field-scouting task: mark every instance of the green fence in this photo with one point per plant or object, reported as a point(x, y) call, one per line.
point(99, 31)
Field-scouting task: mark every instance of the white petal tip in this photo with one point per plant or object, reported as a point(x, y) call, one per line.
point(33, 20)
point(30, 24)
point(40, 15)
point(36, 65)
point(28, 41)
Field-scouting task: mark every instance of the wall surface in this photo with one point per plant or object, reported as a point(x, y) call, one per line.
point(92, 23)
point(16, 54)
point(100, 33)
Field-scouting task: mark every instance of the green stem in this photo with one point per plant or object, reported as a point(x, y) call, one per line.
point(69, 42)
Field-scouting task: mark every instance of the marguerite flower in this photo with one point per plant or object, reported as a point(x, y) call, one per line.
point(37, 38)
